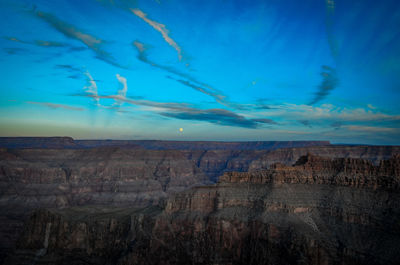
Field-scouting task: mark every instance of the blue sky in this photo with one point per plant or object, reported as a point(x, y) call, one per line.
point(220, 70)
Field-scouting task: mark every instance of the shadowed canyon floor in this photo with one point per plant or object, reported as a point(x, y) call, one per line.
point(109, 203)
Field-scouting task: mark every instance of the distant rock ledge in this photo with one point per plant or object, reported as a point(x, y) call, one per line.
point(70, 143)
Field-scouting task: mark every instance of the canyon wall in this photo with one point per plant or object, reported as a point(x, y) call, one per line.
point(60, 172)
point(289, 156)
point(318, 211)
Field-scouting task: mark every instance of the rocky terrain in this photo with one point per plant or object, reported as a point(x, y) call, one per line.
point(70, 143)
point(289, 156)
point(113, 176)
point(321, 210)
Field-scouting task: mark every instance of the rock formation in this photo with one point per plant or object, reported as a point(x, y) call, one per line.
point(70, 143)
point(289, 156)
point(318, 211)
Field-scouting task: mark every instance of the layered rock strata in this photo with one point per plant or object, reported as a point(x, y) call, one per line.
point(319, 211)
point(35, 178)
point(289, 156)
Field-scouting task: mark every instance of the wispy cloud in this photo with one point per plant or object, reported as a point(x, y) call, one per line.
point(329, 82)
point(160, 28)
point(218, 116)
point(212, 93)
point(91, 88)
point(124, 88)
point(73, 32)
point(56, 106)
point(330, 116)
point(218, 96)
point(329, 76)
point(73, 72)
point(45, 43)
point(183, 111)
point(16, 40)
point(266, 121)
point(157, 106)
point(190, 82)
point(371, 129)
point(142, 56)
point(122, 91)
point(68, 68)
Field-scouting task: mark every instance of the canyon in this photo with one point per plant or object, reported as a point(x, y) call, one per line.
point(65, 201)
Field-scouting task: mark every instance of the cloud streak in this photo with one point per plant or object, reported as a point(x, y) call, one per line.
point(72, 32)
point(330, 115)
point(122, 91)
point(371, 129)
point(217, 97)
point(160, 28)
point(55, 106)
point(142, 56)
point(147, 103)
point(68, 68)
point(45, 43)
point(91, 88)
point(16, 40)
point(329, 76)
point(329, 82)
point(73, 72)
point(194, 83)
point(182, 111)
point(219, 117)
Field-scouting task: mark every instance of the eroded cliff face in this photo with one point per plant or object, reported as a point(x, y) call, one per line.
point(60, 178)
point(124, 177)
point(289, 156)
point(320, 211)
point(311, 169)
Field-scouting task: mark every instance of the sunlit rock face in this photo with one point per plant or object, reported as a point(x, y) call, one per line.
point(319, 211)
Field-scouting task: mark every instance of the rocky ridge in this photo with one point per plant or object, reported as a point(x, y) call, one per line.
point(289, 156)
point(70, 143)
